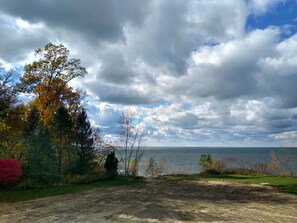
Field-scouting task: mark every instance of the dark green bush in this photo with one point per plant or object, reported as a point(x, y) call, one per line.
point(205, 162)
point(81, 179)
point(39, 179)
point(111, 165)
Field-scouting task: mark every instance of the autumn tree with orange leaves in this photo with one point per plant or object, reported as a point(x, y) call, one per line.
point(48, 79)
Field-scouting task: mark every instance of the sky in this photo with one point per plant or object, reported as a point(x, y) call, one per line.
point(196, 72)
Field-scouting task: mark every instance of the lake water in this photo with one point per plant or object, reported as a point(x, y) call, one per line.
point(185, 159)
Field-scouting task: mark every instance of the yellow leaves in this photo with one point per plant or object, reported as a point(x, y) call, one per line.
point(49, 98)
point(48, 78)
point(132, 167)
point(3, 126)
point(11, 129)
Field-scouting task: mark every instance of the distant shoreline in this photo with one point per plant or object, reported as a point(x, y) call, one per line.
point(218, 147)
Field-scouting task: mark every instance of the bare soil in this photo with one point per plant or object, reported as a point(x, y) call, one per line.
point(160, 201)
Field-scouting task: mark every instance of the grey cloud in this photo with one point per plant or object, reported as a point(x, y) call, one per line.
point(215, 26)
point(279, 74)
point(97, 19)
point(284, 90)
point(143, 52)
point(121, 94)
point(164, 40)
point(234, 120)
point(282, 124)
point(172, 31)
point(16, 44)
point(184, 120)
point(116, 69)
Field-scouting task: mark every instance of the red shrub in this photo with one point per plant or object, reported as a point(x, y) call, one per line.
point(10, 171)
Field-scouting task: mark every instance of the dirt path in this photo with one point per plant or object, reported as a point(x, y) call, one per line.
point(160, 201)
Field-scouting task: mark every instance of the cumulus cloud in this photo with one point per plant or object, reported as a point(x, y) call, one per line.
point(18, 38)
point(279, 73)
point(259, 7)
point(227, 70)
point(223, 83)
point(95, 20)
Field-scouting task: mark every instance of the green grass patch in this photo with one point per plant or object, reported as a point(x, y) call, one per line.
point(284, 184)
point(30, 194)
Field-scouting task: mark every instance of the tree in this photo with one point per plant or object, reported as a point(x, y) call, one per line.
point(84, 142)
point(205, 162)
point(62, 129)
point(32, 156)
point(131, 134)
point(111, 164)
point(154, 169)
point(11, 114)
point(39, 154)
point(102, 148)
point(8, 95)
point(48, 77)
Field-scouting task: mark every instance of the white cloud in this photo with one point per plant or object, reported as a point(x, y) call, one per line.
point(259, 7)
point(223, 84)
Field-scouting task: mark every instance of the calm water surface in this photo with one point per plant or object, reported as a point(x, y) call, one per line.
point(185, 159)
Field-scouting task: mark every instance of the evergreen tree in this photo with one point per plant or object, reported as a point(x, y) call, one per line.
point(84, 142)
point(31, 138)
point(111, 164)
point(38, 146)
point(62, 130)
point(205, 162)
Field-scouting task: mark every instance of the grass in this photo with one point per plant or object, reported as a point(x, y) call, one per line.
point(30, 194)
point(282, 183)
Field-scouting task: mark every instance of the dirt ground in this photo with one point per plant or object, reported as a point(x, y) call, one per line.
point(160, 201)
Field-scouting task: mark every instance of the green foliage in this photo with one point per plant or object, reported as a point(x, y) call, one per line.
point(84, 143)
point(216, 166)
point(205, 162)
point(62, 138)
point(82, 179)
point(39, 154)
point(111, 164)
point(11, 133)
point(38, 179)
point(50, 136)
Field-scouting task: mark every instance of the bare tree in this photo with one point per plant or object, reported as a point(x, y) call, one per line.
point(102, 148)
point(8, 94)
point(132, 136)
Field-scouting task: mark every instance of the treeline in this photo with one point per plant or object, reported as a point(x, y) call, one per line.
point(51, 135)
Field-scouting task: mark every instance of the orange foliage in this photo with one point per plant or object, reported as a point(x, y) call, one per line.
point(48, 77)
